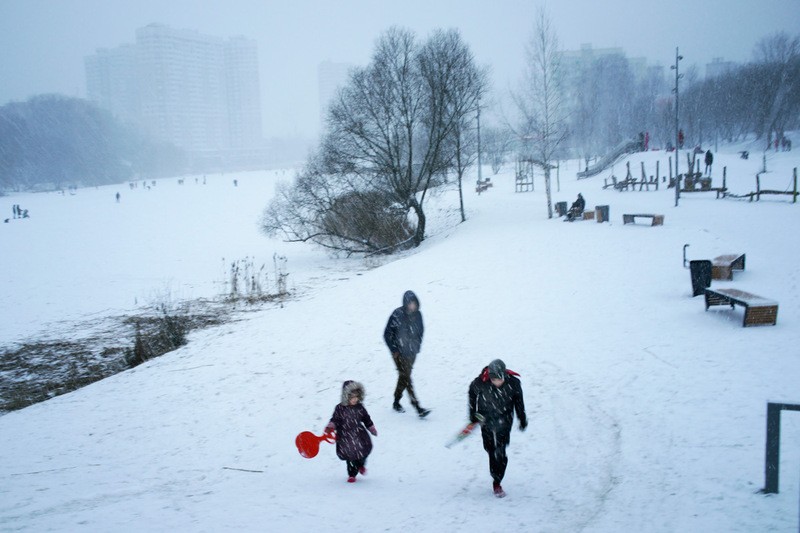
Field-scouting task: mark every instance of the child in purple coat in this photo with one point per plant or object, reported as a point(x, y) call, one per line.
point(351, 422)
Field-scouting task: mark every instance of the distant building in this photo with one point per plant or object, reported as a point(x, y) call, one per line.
point(111, 81)
point(197, 91)
point(331, 77)
point(718, 67)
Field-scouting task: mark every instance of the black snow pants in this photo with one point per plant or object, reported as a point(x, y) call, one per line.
point(404, 367)
point(354, 466)
point(495, 442)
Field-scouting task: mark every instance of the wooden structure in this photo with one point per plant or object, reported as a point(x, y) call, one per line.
point(757, 310)
point(722, 267)
point(655, 220)
point(524, 176)
point(631, 182)
point(588, 215)
point(483, 186)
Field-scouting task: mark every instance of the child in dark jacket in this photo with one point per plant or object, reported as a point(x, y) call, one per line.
point(351, 422)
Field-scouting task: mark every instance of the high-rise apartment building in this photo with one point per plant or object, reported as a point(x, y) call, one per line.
point(331, 77)
point(197, 91)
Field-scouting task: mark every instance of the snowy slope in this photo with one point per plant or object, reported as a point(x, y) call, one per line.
point(647, 412)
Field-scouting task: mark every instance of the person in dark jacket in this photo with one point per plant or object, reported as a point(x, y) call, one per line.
point(576, 210)
point(494, 396)
point(403, 336)
point(351, 422)
point(709, 162)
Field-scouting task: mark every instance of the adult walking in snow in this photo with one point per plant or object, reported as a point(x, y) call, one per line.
point(351, 421)
point(709, 162)
point(494, 396)
point(403, 336)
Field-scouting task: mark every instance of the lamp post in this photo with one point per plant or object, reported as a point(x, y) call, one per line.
point(678, 76)
point(479, 142)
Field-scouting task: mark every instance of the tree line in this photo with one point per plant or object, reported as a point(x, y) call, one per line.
point(406, 123)
point(53, 142)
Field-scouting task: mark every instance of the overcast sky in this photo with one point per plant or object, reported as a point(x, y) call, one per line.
point(43, 42)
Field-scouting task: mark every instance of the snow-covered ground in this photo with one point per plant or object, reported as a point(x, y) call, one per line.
point(85, 254)
point(647, 412)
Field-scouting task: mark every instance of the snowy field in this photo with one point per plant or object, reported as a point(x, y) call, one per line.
point(647, 413)
point(86, 255)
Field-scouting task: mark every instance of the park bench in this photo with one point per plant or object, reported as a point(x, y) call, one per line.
point(656, 220)
point(757, 310)
point(483, 185)
point(722, 267)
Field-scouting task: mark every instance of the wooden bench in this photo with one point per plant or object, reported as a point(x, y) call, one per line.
point(483, 186)
point(757, 310)
point(656, 220)
point(722, 267)
point(588, 215)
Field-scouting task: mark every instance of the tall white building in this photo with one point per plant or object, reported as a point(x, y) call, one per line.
point(197, 91)
point(111, 81)
point(331, 77)
point(243, 92)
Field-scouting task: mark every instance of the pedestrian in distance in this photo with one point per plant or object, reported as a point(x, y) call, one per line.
point(351, 422)
point(494, 397)
point(118, 196)
point(709, 162)
point(403, 337)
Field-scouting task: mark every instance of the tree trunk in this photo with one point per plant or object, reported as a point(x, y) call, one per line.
point(419, 234)
point(547, 190)
point(461, 199)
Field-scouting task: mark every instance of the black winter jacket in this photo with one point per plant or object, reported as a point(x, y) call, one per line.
point(497, 404)
point(404, 330)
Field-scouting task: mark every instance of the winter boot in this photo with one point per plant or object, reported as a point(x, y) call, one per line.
point(351, 479)
point(498, 491)
point(397, 407)
point(423, 412)
point(363, 470)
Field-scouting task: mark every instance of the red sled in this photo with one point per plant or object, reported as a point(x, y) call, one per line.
point(308, 444)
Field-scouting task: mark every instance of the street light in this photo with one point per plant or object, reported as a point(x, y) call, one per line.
point(480, 179)
point(678, 76)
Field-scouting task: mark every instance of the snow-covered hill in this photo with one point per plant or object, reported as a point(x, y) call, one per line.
point(647, 412)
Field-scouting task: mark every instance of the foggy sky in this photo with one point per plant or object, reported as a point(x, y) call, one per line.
point(43, 42)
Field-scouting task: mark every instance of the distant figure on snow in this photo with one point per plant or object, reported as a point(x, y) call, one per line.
point(351, 422)
point(709, 162)
point(403, 337)
point(576, 210)
point(494, 396)
point(15, 210)
point(117, 197)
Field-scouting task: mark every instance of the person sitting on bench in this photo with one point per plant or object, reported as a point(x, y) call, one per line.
point(577, 208)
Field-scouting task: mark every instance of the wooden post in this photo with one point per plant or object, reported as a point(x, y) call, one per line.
point(644, 179)
point(794, 196)
point(758, 187)
point(657, 162)
point(670, 168)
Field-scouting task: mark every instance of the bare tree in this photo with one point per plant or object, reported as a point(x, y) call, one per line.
point(497, 143)
point(386, 144)
point(542, 122)
point(462, 91)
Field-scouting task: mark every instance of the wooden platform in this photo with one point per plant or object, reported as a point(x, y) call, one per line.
point(722, 267)
point(757, 310)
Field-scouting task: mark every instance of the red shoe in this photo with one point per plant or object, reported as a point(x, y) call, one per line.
point(363, 470)
point(498, 491)
point(351, 479)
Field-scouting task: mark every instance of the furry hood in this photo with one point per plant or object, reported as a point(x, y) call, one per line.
point(349, 388)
